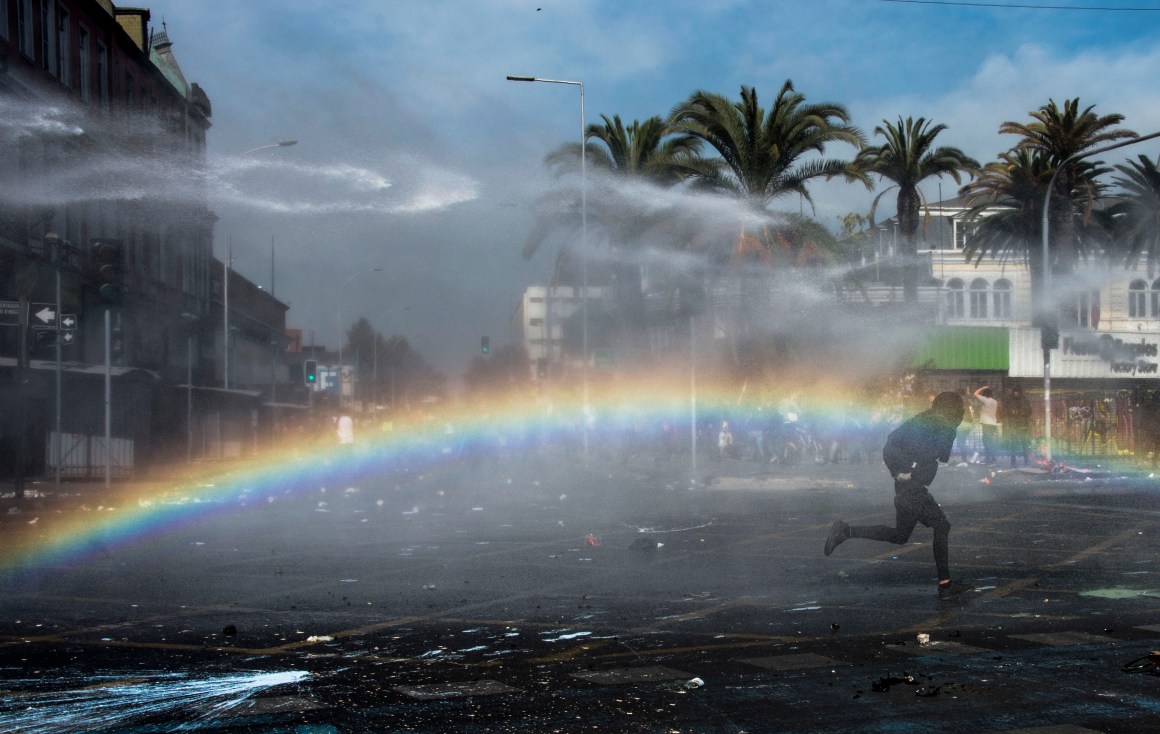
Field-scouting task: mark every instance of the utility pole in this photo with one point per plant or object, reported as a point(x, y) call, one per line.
point(25, 282)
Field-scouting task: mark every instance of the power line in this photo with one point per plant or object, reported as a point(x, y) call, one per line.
point(1024, 6)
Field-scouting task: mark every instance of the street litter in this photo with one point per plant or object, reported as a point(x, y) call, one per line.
point(923, 638)
point(883, 684)
point(319, 638)
point(592, 541)
point(693, 683)
point(1149, 664)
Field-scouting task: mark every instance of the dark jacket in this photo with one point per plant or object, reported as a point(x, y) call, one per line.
point(918, 445)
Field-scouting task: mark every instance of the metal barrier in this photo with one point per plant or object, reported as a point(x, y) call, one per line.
point(83, 456)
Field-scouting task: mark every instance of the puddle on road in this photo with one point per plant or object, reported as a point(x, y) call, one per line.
point(1119, 592)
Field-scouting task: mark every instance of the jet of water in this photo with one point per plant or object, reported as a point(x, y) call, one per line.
point(101, 702)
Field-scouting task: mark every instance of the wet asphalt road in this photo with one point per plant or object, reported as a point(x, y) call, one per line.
point(641, 598)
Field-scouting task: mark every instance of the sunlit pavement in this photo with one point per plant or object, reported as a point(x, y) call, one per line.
point(550, 596)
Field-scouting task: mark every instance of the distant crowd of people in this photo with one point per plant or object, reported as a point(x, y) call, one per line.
point(997, 427)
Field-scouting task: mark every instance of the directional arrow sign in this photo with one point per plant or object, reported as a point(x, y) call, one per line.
point(67, 337)
point(46, 315)
point(68, 321)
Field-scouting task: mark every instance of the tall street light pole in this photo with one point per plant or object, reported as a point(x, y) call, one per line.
point(1045, 305)
point(583, 234)
point(226, 275)
point(341, 391)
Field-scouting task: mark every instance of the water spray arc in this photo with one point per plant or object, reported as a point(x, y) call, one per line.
point(279, 144)
point(1044, 303)
point(583, 238)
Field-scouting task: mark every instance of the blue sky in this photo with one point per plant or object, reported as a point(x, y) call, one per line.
point(416, 155)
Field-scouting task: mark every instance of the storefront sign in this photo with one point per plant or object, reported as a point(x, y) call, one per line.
point(1124, 357)
point(1087, 354)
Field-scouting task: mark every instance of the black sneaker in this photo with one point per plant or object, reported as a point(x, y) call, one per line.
point(953, 589)
point(839, 532)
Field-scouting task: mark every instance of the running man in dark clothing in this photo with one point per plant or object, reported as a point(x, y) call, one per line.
point(912, 453)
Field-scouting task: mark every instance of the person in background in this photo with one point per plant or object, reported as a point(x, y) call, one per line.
point(345, 429)
point(724, 441)
point(963, 433)
point(1150, 427)
point(988, 421)
point(912, 454)
point(1015, 417)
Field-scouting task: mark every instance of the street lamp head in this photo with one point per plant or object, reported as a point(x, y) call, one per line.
point(287, 143)
point(521, 78)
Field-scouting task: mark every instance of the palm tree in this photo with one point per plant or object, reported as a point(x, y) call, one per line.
point(763, 155)
point(1005, 207)
point(908, 157)
point(1060, 133)
point(1137, 213)
point(1006, 211)
point(645, 152)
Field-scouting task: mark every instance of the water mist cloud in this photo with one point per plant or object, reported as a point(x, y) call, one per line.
point(305, 189)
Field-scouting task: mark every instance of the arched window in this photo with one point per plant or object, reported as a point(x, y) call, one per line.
point(955, 299)
point(1137, 300)
point(1156, 299)
point(1002, 298)
point(979, 291)
point(1087, 309)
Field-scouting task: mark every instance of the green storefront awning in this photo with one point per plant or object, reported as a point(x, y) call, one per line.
point(963, 348)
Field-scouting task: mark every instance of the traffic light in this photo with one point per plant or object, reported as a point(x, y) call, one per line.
point(310, 372)
point(1048, 323)
point(108, 270)
point(1049, 336)
point(484, 345)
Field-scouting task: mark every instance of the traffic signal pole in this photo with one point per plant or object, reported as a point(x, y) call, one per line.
point(58, 439)
point(108, 396)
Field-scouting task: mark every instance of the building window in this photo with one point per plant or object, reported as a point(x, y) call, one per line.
point(1087, 309)
point(63, 46)
point(1137, 300)
point(979, 291)
point(4, 19)
point(1001, 298)
point(48, 59)
point(86, 71)
point(536, 299)
point(24, 26)
point(955, 298)
point(964, 230)
point(103, 75)
point(1156, 299)
point(535, 322)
